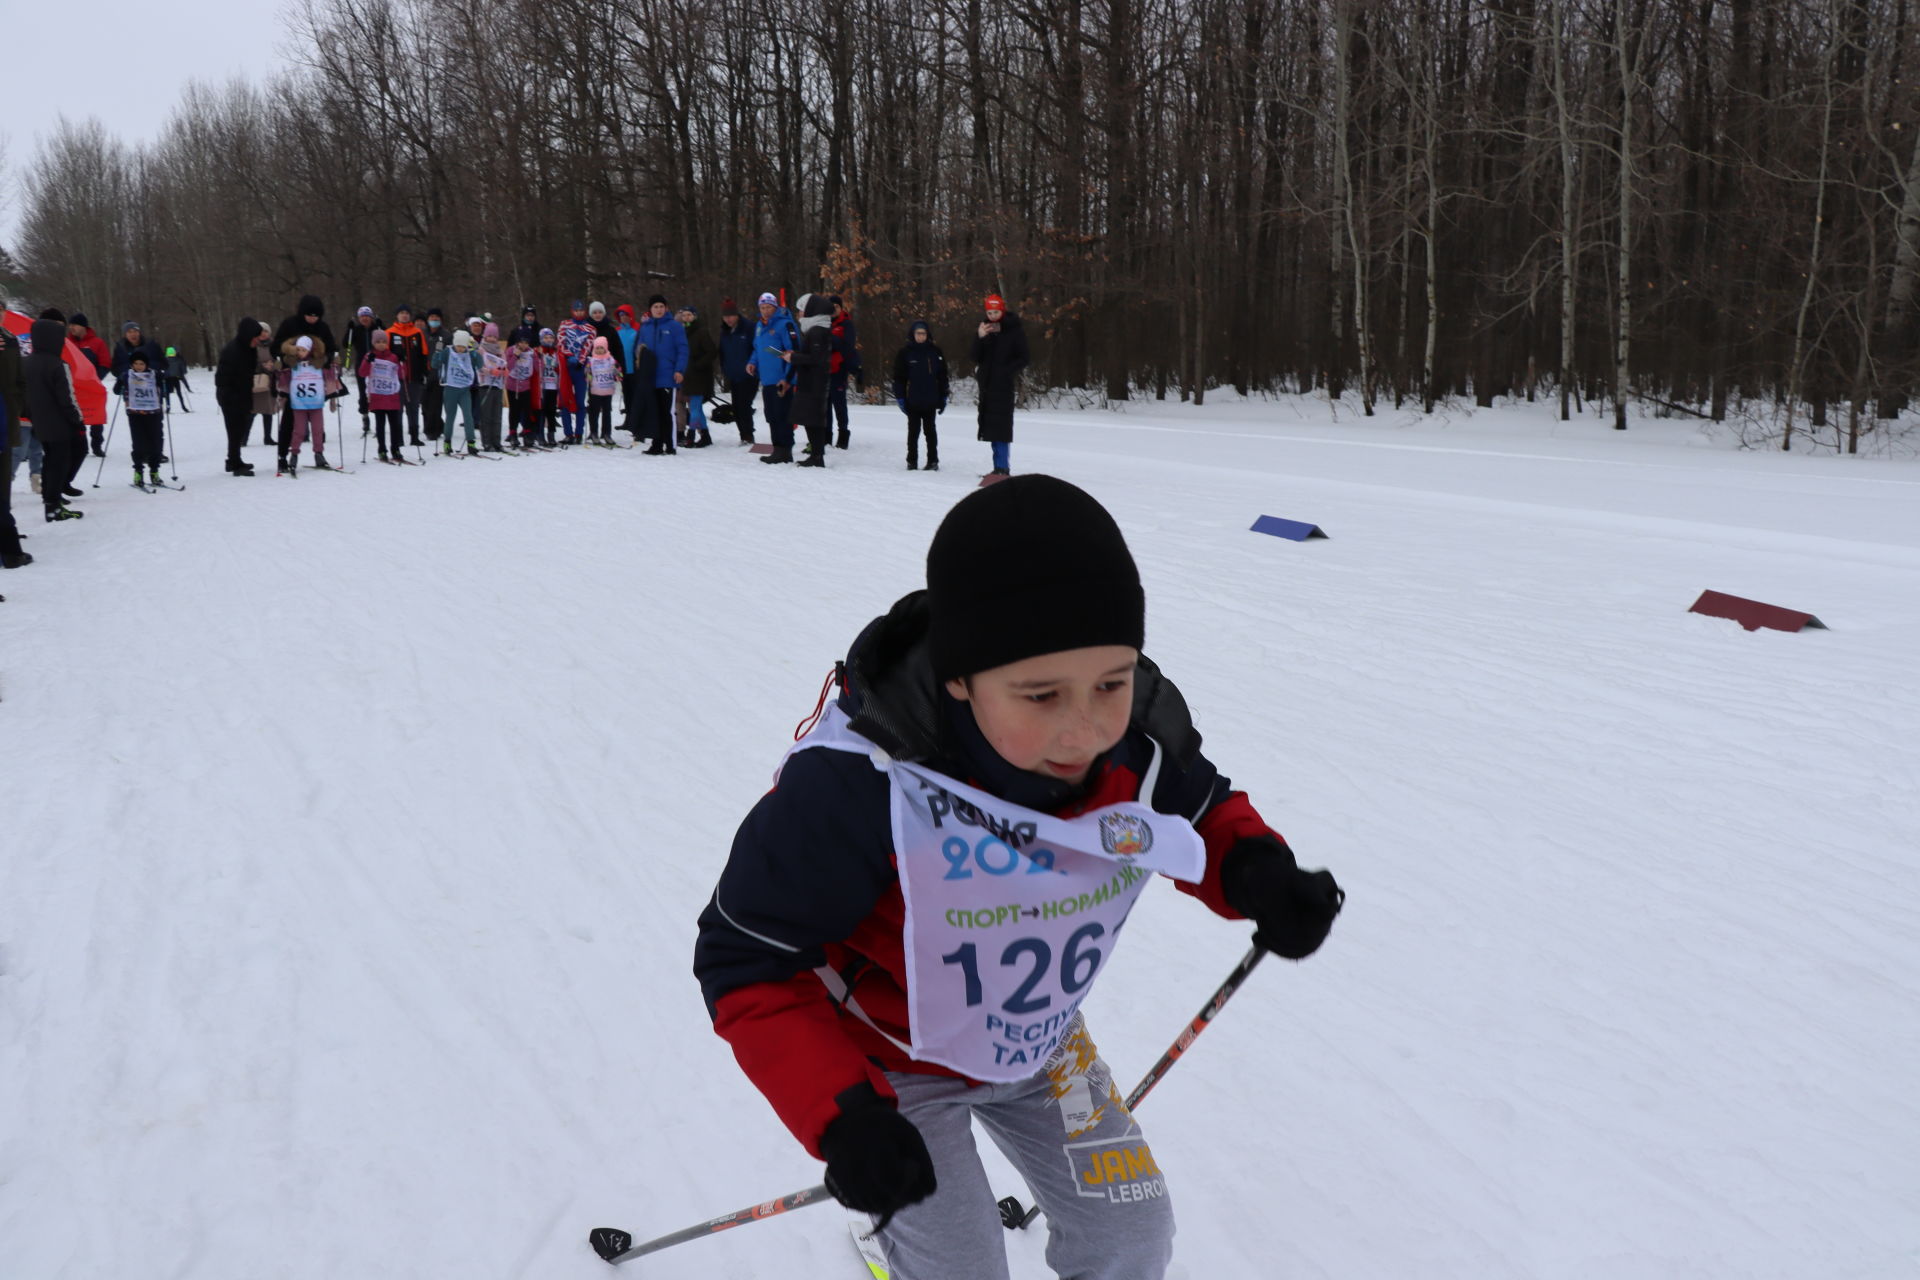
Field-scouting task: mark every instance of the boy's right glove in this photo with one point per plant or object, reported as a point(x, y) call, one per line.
point(1291, 909)
point(877, 1162)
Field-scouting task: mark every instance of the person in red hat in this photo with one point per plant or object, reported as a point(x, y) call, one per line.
point(999, 354)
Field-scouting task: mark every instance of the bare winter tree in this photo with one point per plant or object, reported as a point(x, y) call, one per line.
point(1693, 204)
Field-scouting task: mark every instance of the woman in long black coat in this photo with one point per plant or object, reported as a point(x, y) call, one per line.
point(999, 354)
point(812, 364)
point(233, 388)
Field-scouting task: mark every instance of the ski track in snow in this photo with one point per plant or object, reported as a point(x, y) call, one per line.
point(356, 827)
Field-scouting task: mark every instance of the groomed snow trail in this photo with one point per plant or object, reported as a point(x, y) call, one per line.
point(355, 829)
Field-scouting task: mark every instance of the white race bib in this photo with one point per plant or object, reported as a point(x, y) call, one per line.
point(550, 373)
point(523, 367)
point(603, 375)
point(383, 378)
point(143, 392)
point(459, 370)
point(1010, 913)
point(307, 388)
point(493, 369)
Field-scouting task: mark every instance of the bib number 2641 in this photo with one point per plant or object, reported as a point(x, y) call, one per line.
point(1079, 961)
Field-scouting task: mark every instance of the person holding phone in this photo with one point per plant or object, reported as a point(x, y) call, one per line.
point(999, 354)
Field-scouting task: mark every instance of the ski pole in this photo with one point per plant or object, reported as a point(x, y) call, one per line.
point(107, 445)
point(616, 1246)
point(173, 465)
point(1011, 1214)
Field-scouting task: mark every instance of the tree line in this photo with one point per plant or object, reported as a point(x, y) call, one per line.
point(1705, 203)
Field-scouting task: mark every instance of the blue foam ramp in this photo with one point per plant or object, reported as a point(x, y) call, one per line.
point(1292, 530)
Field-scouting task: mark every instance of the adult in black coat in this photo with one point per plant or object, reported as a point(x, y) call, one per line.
point(55, 412)
point(233, 388)
point(999, 354)
point(307, 321)
point(812, 365)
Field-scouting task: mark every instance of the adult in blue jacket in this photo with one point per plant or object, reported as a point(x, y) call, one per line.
point(736, 364)
point(663, 336)
point(774, 335)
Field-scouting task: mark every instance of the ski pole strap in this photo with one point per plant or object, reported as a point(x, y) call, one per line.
point(617, 1246)
point(1207, 1014)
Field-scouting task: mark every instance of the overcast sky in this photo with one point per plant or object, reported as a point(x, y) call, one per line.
point(124, 66)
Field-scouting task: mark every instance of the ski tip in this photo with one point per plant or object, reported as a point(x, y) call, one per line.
point(609, 1242)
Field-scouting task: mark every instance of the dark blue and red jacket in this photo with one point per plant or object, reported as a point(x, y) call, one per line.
point(812, 880)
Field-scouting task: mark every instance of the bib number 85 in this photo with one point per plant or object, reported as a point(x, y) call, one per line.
point(1078, 963)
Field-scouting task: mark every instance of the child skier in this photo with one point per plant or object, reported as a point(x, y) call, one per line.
point(522, 391)
point(491, 386)
point(910, 920)
point(603, 376)
point(920, 391)
point(177, 384)
point(458, 368)
point(553, 390)
point(576, 337)
point(383, 379)
point(145, 394)
point(305, 388)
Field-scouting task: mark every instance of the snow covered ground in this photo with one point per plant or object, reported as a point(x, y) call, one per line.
point(355, 827)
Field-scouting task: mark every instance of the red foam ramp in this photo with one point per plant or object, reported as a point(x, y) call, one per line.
point(1752, 614)
point(992, 477)
point(760, 448)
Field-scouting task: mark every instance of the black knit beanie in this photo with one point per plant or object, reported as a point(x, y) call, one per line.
point(1028, 566)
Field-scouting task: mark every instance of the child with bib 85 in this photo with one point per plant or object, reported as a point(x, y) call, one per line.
point(910, 920)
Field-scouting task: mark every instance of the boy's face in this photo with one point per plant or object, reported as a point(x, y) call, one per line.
point(766, 313)
point(403, 316)
point(1054, 714)
point(657, 310)
point(139, 365)
point(919, 335)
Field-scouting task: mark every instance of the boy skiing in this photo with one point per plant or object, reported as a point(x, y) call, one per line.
point(920, 391)
point(141, 386)
point(908, 923)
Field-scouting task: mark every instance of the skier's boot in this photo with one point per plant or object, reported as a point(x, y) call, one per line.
point(320, 462)
point(705, 441)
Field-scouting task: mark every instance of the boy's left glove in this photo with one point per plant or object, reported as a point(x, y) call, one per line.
point(1291, 909)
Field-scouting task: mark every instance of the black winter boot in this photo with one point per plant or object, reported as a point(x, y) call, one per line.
point(778, 455)
point(840, 442)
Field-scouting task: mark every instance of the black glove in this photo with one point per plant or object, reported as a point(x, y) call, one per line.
point(1291, 909)
point(877, 1162)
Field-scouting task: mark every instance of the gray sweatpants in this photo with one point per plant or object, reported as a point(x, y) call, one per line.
point(1072, 1138)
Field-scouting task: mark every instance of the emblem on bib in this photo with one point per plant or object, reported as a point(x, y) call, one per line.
point(1125, 836)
